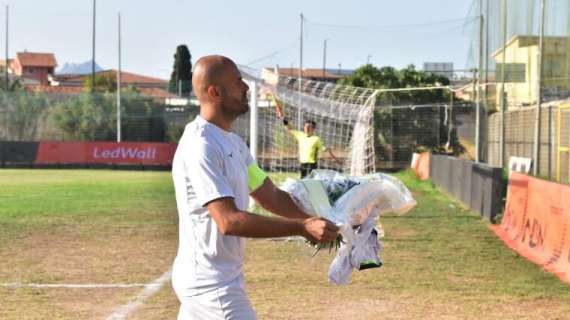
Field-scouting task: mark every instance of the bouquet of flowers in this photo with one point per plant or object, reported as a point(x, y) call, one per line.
point(354, 204)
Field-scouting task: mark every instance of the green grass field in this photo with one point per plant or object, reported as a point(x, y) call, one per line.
point(110, 227)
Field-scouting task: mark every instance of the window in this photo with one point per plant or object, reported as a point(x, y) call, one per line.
point(514, 72)
point(552, 68)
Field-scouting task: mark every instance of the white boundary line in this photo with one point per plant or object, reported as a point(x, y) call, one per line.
point(150, 289)
point(120, 312)
point(17, 285)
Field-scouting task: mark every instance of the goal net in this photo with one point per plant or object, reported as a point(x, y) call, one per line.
point(343, 117)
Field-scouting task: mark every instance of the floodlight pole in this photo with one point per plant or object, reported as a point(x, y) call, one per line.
point(479, 89)
point(503, 93)
point(324, 59)
point(253, 111)
point(93, 48)
point(299, 117)
point(119, 82)
point(540, 58)
point(6, 79)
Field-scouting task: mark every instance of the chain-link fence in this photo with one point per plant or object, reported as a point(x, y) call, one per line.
point(441, 128)
point(522, 49)
point(562, 141)
point(398, 130)
point(519, 138)
point(28, 116)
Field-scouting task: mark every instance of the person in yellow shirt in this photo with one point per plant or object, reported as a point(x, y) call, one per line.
point(309, 146)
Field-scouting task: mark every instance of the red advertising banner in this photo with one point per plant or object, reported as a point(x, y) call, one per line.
point(536, 223)
point(146, 153)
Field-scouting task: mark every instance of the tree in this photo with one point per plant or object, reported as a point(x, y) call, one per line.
point(182, 71)
point(93, 117)
point(86, 117)
point(104, 82)
point(15, 84)
point(22, 112)
point(369, 76)
point(400, 131)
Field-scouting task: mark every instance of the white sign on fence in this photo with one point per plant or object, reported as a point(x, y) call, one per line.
point(520, 164)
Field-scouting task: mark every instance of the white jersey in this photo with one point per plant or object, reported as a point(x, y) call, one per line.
point(209, 163)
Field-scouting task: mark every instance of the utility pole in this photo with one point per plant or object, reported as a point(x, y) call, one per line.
point(300, 74)
point(6, 79)
point(450, 120)
point(324, 58)
point(368, 59)
point(93, 45)
point(479, 89)
point(503, 93)
point(119, 82)
point(486, 49)
point(540, 58)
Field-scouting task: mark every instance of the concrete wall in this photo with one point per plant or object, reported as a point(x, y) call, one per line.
point(477, 185)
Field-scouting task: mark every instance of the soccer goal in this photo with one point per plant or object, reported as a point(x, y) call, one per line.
point(343, 117)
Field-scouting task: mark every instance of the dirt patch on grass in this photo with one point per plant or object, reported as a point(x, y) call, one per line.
point(61, 303)
point(284, 282)
point(79, 254)
point(439, 264)
point(162, 305)
point(82, 255)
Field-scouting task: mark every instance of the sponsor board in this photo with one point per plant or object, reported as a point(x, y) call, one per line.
point(536, 223)
point(147, 153)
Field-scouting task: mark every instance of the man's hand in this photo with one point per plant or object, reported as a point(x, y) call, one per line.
point(336, 160)
point(319, 230)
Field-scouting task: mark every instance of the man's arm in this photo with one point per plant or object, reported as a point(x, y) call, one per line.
point(277, 201)
point(322, 148)
point(280, 113)
point(232, 221)
point(337, 160)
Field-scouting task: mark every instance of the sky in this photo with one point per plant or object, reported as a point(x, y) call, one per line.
point(255, 33)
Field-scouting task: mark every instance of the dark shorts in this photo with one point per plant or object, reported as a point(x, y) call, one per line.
point(306, 168)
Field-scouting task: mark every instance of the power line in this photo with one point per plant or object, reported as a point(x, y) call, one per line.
point(274, 53)
point(426, 24)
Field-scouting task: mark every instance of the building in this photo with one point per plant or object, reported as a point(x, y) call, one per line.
point(159, 95)
point(70, 84)
point(128, 79)
point(315, 74)
point(521, 70)
point(63, 85)
point(439, 68)
point(34, 65)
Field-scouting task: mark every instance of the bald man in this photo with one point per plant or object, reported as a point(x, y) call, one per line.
point(214, 175)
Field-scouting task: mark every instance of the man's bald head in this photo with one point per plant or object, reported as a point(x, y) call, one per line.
point(208, 71)
point(220, 88)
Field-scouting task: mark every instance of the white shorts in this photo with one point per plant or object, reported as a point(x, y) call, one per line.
point(227, 302)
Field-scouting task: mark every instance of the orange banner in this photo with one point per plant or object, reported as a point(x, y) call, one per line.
point(536, 222)
point(420, 165)
point(145, 153)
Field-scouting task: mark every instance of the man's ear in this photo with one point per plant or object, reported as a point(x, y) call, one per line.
point(213, 91)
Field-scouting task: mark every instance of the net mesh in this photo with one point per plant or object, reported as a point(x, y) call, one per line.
point(516, 73)
point(343, 114)
point(510, 45)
